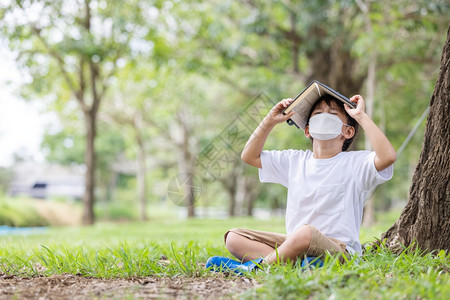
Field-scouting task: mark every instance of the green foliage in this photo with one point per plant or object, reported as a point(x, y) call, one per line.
point(65, 147)
point(116, 211)
point(5, 179)
point(19, 213)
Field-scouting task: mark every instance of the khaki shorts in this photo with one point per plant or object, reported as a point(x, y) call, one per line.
point(320, 244)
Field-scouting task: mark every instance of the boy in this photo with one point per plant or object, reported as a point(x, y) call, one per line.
point(327, 187)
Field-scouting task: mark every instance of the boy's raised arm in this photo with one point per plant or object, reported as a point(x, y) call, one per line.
point(385, 154)
point(255, 144)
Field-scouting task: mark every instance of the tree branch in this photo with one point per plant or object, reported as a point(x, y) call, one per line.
point(79, 95)
point(58, 58)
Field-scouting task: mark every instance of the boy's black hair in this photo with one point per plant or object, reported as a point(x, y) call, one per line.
point(350, 121)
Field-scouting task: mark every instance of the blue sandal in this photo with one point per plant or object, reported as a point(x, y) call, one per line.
point(311, 262)
point(225, 264)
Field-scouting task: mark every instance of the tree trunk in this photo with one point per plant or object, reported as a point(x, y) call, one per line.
point(90, 116)
point(425, 221)
point(186, 164)
point(295, 47)
point(89, 159)
point(231, 188)
point(335, 65)
point(252, 190)
point(369, 209)
point(190, 195)
point(141, 175)
point(230, 182)
point(369, 212)
point(112, 185)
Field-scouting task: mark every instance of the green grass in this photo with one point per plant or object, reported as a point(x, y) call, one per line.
point(180, 248)
point(122, 249)
point(378, 274)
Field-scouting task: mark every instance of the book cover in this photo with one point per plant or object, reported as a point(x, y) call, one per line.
point(304, 101)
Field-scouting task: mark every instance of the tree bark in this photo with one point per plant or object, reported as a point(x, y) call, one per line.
point(186, 163)
point(295, 44)
point(369, 209)
point(334, 66)
point(89, 159)
point(141, 168)
point(90, 116)
point(252, 191)
point(231, 187)
point(425, 221)
point(230, 182)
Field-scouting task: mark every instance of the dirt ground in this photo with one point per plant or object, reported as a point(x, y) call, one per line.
point(76, 287)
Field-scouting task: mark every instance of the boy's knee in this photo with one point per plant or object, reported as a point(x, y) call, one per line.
point(232, 239)
point(230, 236)
point(302, 236)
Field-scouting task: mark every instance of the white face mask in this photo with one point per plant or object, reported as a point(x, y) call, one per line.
point(325, 126)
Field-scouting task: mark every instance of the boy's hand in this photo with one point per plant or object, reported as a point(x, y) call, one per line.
point(276, 116)
point(384, 152)
point(252, 150)
point(358, 112)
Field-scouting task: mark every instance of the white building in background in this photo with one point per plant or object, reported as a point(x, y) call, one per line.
point(43, 181)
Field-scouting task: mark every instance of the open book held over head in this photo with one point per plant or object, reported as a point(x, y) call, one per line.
point(303, 103)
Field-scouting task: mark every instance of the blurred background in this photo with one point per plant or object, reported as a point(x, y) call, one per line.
point(138, 110)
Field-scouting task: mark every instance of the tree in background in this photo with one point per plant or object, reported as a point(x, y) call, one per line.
point(5, 179)
point(72, 50)
point(133, 114)
point(66, 146)
point(425, 222)
point(408, 41)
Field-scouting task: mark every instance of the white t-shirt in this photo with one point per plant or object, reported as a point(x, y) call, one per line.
point(328, 194)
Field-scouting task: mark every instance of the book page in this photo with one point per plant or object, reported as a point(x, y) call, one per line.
point(309, 97)
point(297, 120)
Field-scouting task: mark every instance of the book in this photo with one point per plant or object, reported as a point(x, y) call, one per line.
point(304, 101)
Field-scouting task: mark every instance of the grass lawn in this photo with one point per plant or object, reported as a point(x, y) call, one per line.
point(179, 249)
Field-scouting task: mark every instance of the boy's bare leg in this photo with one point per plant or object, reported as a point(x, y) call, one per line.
point(295, 245)
point(246, 249)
